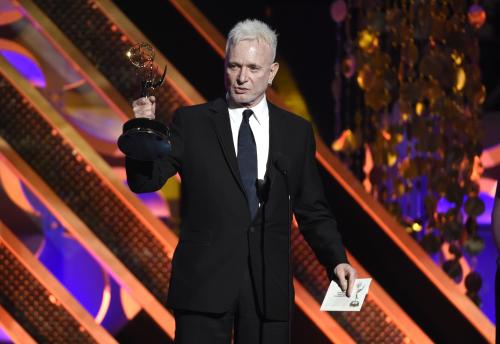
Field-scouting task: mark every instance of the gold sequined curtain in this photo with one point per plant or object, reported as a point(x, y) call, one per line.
point(415, 114)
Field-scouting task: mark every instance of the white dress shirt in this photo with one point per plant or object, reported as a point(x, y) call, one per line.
point(259, 123)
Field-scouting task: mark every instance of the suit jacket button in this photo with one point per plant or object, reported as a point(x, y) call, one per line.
point(252, 229)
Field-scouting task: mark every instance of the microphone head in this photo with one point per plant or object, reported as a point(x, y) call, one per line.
point(263, 186)
point(281, 163)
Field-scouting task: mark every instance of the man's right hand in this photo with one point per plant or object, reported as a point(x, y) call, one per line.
point(144, 107)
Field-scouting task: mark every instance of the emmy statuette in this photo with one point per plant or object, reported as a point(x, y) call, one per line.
point(145, 139)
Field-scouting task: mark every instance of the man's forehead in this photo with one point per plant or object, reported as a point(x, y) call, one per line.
point(258, 43)
point(257, 47)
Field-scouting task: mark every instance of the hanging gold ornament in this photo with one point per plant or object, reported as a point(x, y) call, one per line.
point(457, 58)
point(365, 77)
point(416, 226)
point(419, 108)
point(380, 61)
point(400, 188)
point(429, 66)
point(460, 79)
point(377, 98)
point(368, 41)
point(409, 92)
point(432, 92)
point(480, 96)
point(408, 168)
point(392, 157)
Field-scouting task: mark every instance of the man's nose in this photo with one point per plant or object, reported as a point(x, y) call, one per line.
point(242, 75)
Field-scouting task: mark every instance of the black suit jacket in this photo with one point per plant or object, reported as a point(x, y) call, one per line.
point(217, 235)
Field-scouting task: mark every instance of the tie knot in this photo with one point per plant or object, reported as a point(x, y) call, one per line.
point(246, 114)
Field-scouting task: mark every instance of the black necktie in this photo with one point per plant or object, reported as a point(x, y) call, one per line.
point(247, 161)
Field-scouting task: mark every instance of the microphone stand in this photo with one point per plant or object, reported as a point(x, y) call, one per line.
point(282, 166)
point(290, 279)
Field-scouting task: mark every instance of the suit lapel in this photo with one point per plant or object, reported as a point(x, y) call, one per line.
point(276, 135)
point(222, 126)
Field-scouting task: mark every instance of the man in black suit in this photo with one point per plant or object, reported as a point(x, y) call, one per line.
point(239, 157)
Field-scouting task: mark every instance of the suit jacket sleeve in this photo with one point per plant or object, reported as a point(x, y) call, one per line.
point(149, 176)
point(316, 222)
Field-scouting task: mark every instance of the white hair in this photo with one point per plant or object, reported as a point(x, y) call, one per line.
point(253, 29)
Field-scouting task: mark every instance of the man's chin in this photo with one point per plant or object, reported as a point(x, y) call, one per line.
point(244, 100)
point(240, 100)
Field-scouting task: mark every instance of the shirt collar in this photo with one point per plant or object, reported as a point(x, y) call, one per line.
point(260, 110)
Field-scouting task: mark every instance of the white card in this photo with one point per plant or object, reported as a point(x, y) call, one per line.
point(336, 300)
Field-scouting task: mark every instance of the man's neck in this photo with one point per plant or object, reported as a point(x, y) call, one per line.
point(234, 105)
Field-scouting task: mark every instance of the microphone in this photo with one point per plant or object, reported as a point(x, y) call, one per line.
point(263, 186)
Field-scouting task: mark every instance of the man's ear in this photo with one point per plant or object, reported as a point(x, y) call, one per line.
point(274, 69)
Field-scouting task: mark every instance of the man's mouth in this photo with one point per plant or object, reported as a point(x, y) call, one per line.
point(240, 90)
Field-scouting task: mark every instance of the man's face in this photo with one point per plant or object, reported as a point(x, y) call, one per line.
point(249, 70)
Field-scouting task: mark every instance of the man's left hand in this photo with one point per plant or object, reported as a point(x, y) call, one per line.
point(345, 277)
